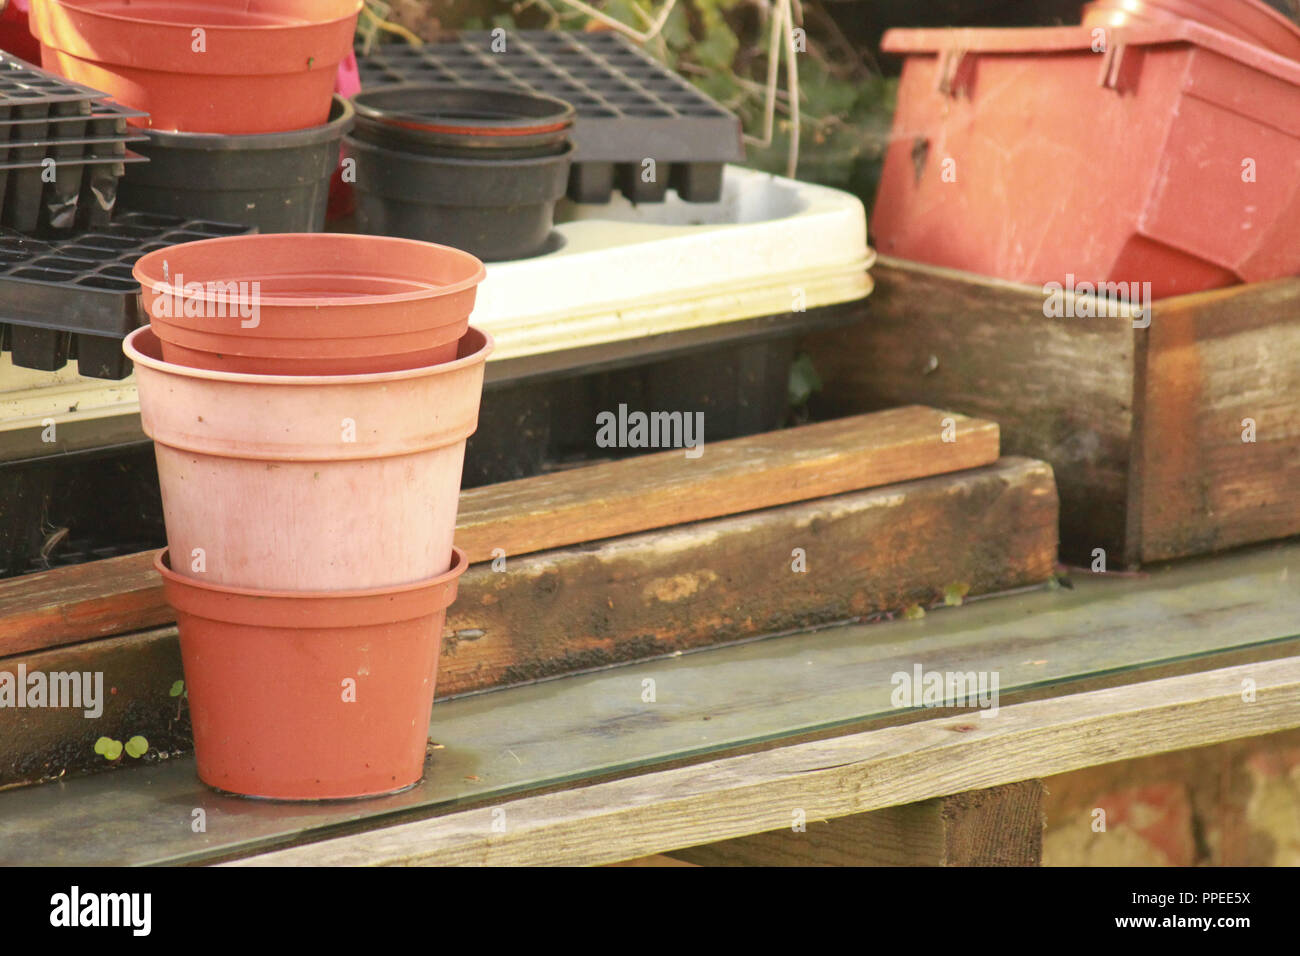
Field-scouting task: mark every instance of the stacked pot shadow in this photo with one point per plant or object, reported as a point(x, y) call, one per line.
point(309, 398)
point(477, 168)
point(243, 125)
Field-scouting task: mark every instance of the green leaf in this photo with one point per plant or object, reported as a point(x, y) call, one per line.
point(913, 612)
point(954, 594)
point(804, 380)
point(102, 745)
point(178, 688)
point(137, 746)
point(112, 749)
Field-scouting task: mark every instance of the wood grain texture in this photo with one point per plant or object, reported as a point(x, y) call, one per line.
point(1000, 826)
point(1214, 360)
point(119, 595)
point(857, 773)
point(660, 592)
point(730, 477)
point(710, 582)
point(1061, 389)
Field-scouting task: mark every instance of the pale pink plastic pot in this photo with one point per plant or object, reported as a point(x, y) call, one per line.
point(310, 483)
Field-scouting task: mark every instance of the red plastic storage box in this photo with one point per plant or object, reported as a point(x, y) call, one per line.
point(1167, 154)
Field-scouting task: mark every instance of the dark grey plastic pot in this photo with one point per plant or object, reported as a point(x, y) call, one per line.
point(494, 209)
point(278, 182)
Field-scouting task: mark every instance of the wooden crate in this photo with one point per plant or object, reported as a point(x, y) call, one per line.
point(1143, 426)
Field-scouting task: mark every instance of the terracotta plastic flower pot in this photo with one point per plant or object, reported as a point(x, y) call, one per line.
point(1247, 20)
point(308, 304)
point(302, 696)
point(310, 483)
point(203, 66)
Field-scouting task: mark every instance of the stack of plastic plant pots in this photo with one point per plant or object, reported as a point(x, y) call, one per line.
point(309, 398)
point(477, 168)
point(243, 125)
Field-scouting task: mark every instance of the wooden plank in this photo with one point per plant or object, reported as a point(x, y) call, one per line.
point(652, 861)
point(999, 826)
point(657, 593)
point(1104, 631)
point(730, 477)
point(857, 773)
point(1061, 389)
point(711, 582)
point(588, 504)
point(1214, 360)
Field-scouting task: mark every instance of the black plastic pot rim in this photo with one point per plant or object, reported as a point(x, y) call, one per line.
point(563, 155)
point(560, 117)
point(341, 119)
point(463, 183)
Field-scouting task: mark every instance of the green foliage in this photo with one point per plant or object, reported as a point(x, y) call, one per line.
point(913, 612)
point(108, 748)
point(954, 594)
point(804, 380)
point(137, 746)
point(177, 689)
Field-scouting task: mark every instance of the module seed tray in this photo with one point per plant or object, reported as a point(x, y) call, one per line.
point(88, 152)
point(630, 108)
point(44, 118)
point(76, 298)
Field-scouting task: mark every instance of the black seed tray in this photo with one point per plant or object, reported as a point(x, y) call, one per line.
point(45, 117)
point(89, 152)
point(630, 107)
point(76, 297)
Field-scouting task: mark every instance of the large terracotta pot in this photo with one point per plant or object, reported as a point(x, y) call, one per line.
point(203, 66)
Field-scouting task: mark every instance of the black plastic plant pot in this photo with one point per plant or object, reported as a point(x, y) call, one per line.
point(495, 209)
point(463, 121)
point(278, 182)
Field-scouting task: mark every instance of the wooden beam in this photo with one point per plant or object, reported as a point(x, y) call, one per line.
point(999, 826)
point(826, 779)
point(658, 593)
point(601, 501)
point(1062, 390)
point(711, 582)
point(1214, 361)
point(730, 477)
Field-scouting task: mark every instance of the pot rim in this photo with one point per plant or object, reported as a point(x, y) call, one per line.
point(459, 564)
point(561, 118)
point(90, 11)
point(326, 132)
point(323, 301)
point(144, 333)
point(565, 155)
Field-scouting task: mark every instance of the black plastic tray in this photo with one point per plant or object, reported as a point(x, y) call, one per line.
point(76, 297)
point(46, 118)
point(630, 107)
